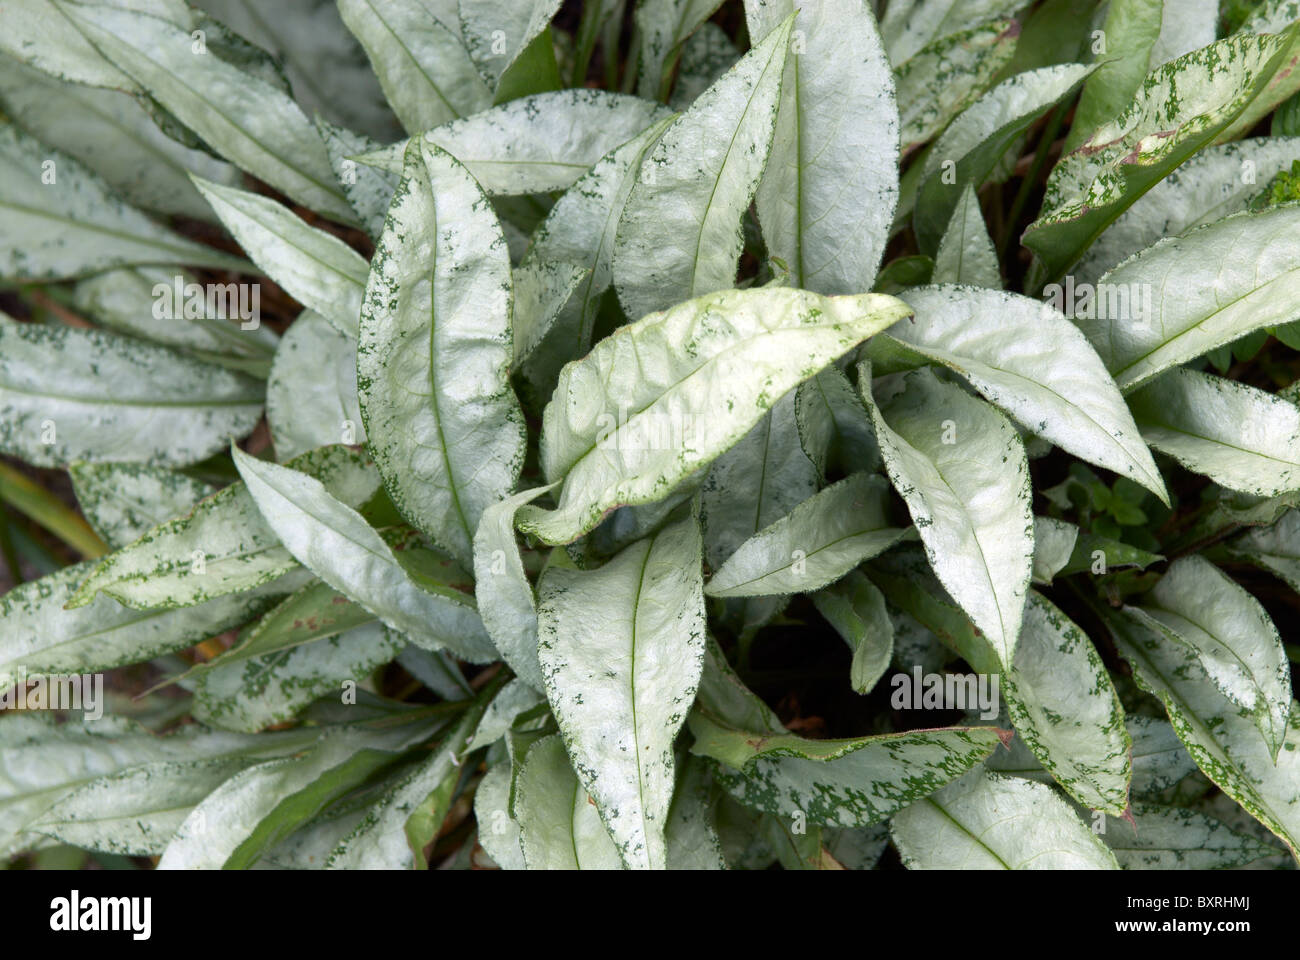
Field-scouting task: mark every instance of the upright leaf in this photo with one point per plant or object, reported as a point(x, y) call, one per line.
point(311, 396)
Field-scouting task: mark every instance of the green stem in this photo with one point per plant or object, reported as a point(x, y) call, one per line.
point(24, 495)
point(7, 550)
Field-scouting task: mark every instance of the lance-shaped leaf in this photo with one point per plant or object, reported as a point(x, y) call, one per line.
point(434, 356)
point(989, 822)
point(826, 209)
point(559, 828)
point(1222, 737)
point(536, 144)
point(974, 143)
point(334, 541)
point(69, 394)
point(664, 26)
point(693, 842)
point(966, 253)
point(855, 607)
point(369, 189)
point(962, 470)
point(834, 426)
point(1161, 837)
point(680, 235)
point(311, 396)
point(62, 221)
point(1240, 437)
point(618, 436)
point(1028, 359)
point(497, 32)
point(316, 268)
point(245, 118)
point(542, 289)
point(621, 649)
point(947, 76)
point(818, 542)
point(909, 25)
point(707, 54)
point(1216, 182)
point(1054, 543)
point(505, 597)
point(425, 71)
point(223, 546)
point(42, 637)
point(1180, 107)
point(1275, 548)
point(1199, 606)
point(123, 501)
point(1063, 705)
point(498, 832)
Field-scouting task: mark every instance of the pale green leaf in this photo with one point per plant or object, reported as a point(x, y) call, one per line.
point(1054, 542)
point(559, 828)
point(124, 501)
point(855, 607)
point(966, 253)
point(311, 396)
point(1175, 838)
point(834, 426)
point(497, 32)
point(664, 26)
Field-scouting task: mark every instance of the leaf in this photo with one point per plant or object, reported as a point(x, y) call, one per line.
point(248, 121)
point(123, 501)
point(1159, 759)
point(693, 842)
point(1180, 107)
point(434, 355)
point(909, 25)
point(1028, 359)
point(61, 221)
point(1061, 701)
point(498, 832)
point(1174, 838)
point(969, 499)
point(1275, 548)
point(834, 426)
point(311, 396)
point(664, 26)
point(368, 189)
point(69, 394)
point(680, 235)
point(621, 649)
point(516, 698)
point(966, 253)
point(1184, 27)
point(988, 822)
point(980, 136)
point(856, 609)
point(559, 828)
point(42, 636)
point(223, 546)
point(824, 211)
point(777, 337)
point(535, 144)
point(542, 289)
point(498, 31)
point(425, 71)
point(505, 597)
point(1238, 436)
point(334, 541)
point(816, 544)
point(1222, 738)
point(706, 55)
point(316, 268)
point(1054, 543)
point(1198, 606)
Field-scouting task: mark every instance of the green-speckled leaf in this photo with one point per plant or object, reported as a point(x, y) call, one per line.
point(334, 541)
point(961, 467)
point(316, 268)
point(834, 426)
point(664, 27)
point(498, 832)
point(425, 71)
point(1237, 435)
point(559, 827)
point(368, 189)
point(1199, 606)
point(909, 25)
point(311, 395)
point(69, 394)
point(855, 607)
point(223, 546)
point(124, 501)
point(619, 437)
point(621, 649)
point(815, 544)
point(706, 55)
point(692, 837)
point(1275, 548)
point(989, 822)
point(966, 253)
point(59, 220)
point(435, 353)
point(824, 207)
point(680, 235)
point(542, 289)
point(497, 32)
point(1174, 838)
point(1222, 737)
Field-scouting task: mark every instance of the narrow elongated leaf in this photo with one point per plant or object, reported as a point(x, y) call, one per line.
point(124, 501)
point(223, 546)
point(1175, 838)
point(855, 607)
point(316, 268)
point(664, 26)
point(248, 121)
point(497, 32)
point(969, 498)
point(1222, 737)
point(435, 352)
point(966, 253)
point(542, 289)
point(368, 189)
point(335, 542)
point(706, 55)
point(1198, 605)
point(834, 426)
point(825, 212)
point(1240, 437)
point(559, 828)
point(820, 541)
point(988, 822)
point(1276, 548)
point(1054, 542)
point(425, 71)
point(69, 394)
point(908, 25)
point(1028, 359)
point(777, 337)
point(680, 235)
point(498, 832)
point(693, 842)
point(621, 650)
point(311, 396)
